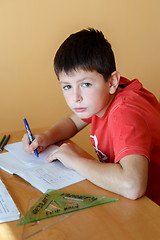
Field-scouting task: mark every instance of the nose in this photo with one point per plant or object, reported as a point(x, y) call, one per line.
point(77, 96)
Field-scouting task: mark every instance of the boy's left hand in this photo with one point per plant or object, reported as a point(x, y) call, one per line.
point(67, 154)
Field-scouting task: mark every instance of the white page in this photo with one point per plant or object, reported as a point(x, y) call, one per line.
point(42, 176)
point(8, 209)
point(29, 159)
point(10, 163)
point(50, 176)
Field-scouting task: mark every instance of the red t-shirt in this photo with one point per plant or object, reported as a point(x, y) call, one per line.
point(131, 125)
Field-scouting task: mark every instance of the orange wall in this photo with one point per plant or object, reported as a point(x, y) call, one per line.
point(30, 33)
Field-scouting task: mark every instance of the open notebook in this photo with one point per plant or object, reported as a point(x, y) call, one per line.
point(37, 171)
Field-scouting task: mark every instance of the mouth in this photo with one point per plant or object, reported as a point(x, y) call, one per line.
point(79, 109)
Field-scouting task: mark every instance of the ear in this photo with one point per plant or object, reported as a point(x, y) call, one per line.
point(114, 82)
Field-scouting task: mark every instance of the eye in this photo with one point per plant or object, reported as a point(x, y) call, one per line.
point(86, 84)
point(66, 87)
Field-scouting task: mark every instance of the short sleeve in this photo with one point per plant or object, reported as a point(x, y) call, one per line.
point(130, 133)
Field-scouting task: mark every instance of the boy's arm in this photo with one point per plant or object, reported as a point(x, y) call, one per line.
point(65, 129)
point(127, 178)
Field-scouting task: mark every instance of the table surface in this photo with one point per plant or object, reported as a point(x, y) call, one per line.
point(123, 219)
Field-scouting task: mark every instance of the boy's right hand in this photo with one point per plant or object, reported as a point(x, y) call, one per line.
point(38, 143)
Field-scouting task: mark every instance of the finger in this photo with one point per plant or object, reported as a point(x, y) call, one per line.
point(52, 156)
point(25, 139)
point(26, 143)
point(34, 145)
point(40, 149)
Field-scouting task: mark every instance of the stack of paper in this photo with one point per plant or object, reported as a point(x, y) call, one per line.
point(37, 171)
point(8, 209)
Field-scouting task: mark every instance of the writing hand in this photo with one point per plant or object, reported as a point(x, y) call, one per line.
point(38, 143)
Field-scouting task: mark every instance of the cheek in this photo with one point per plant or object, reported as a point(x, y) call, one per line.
point(67, 97)
point(94, 97)
point(99, 99)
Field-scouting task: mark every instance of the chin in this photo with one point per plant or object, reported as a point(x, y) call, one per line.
point(84, 115)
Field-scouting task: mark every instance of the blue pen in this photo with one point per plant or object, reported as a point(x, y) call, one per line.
point(30, 135)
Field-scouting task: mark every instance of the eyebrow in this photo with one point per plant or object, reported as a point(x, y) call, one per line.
point(80, 80)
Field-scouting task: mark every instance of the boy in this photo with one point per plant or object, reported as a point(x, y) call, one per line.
point(124, 116)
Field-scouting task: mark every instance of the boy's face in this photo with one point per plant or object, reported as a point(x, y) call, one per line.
point(86, 92)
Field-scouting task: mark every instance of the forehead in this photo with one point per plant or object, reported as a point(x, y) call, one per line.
point(79, 75)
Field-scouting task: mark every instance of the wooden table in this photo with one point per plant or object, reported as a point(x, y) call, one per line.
point(124, 219)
